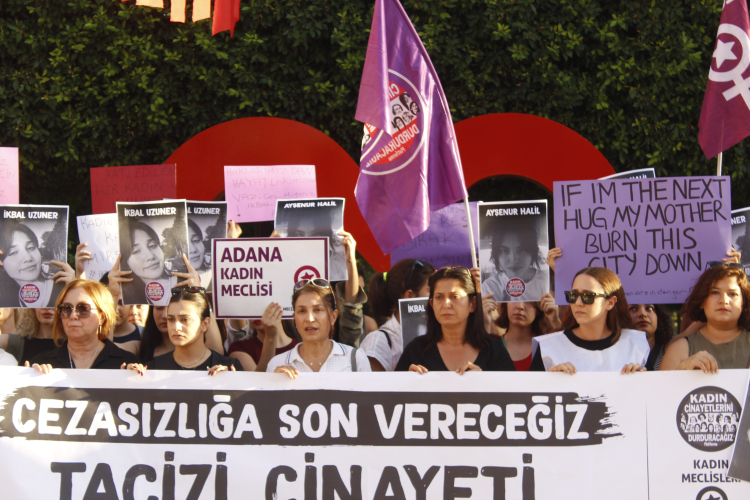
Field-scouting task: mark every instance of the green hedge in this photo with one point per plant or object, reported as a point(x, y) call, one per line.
point(91, 83)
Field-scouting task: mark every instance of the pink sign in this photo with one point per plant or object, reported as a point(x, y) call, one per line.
point(251, 192)
point(9, 176)
point(132, 183)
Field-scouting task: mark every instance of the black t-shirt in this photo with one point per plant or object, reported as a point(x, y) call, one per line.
point(33, 346)
point(111, 357)
point(493, 358)
point(167, 362)
point(537, 364)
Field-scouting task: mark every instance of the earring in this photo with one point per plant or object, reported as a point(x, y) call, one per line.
point(100, 329)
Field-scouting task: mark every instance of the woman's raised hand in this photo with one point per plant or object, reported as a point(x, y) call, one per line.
point(116, 277)
point(551, 311)
point(234, 230)
point(553, 254)
point(66, 275)
point(700, 361)
point(192, 278)
point(81, 257)
point(350, 246)
point(271, 319)
point(733, 257)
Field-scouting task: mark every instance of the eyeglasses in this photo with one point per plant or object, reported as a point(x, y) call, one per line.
point(83, 311)
point(587, 298)
point(414, 265)
point(717, 263)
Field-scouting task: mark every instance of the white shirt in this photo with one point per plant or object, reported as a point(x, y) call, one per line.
point(556, 348)
point(340, 360)
point(7, 359)
point(375, 344)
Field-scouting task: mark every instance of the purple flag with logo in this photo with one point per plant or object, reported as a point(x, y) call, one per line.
point(410, 164)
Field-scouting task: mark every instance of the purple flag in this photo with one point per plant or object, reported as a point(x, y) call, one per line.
point(410, 164)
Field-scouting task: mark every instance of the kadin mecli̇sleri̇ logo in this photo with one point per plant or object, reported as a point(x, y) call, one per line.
point(384, 154)
point(708, 418)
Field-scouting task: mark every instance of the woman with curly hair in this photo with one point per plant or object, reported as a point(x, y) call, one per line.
point(655, 321)
point(720, 299)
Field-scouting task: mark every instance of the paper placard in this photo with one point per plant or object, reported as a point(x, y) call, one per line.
point(741, 236)
point(656, 234)
point(250, 273)
point(31, 236)
point(642, 173)
point(251, 192)
point(9, 176)
point(513, 247)
point(740, 465)
point(131, 184)
point(206, 220)
point(446, 240)
point(413, 314)
point(153, 238)
point(101, 234)
point(317, 217)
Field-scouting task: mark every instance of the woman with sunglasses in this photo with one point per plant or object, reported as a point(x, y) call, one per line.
point(315, 314)
point(720, 299)
point(155, 339)
point(84, 316)
point(456, 339)
point(595, 338)
point(188, 320)
point(405, 280)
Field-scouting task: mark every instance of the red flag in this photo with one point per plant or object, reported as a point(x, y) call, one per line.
point(226, 14)
point(725, 115)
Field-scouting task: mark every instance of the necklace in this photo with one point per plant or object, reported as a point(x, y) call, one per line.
point(193, 364)
point(88, 365)
point(311, 363)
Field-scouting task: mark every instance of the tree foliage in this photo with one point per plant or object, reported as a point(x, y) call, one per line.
point(91, 83)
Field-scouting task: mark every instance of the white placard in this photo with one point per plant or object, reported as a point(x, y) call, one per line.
point(101, 234)
point(250, 273)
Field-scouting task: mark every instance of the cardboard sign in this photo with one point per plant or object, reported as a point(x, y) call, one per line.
point(643, 173)
point(101, 234)
point(513, 247)
point(741, 235)
point(413, 314)
point(206, 220)
point(32, 236)
point(317, 217)
point(131, 184)
point(153, 239)
point(250, 273)
point(656, 234)
point(251, 192)
point(446, 240)
point(9, 176)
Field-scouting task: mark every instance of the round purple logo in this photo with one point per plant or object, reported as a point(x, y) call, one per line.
point(154, 291)
point(515, 287)
point(29, 293)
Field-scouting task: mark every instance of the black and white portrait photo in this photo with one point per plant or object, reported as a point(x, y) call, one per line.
point(206, 220)
point(32, 239)
point(413, 314)
point(153, 240)
point(741, 235)
point(739, 468)
point(315, 217)
point(513, 245)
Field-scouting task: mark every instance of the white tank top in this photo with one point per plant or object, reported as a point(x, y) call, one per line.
point(557, 348)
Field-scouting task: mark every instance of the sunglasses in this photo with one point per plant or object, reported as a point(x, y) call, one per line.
point(83, 311)
point(717, 263)
point(416, 263)
point(188, 289)
point(587, 298)
point(319, 282)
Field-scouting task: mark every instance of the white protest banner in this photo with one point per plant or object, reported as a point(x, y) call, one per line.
point(101, 234)
point(656, 234)
point(692, 425)
point(413, 314)
point(513, 246)
point(83, 434)
point(251, 192)
point(9, 176)
point(250, 273)
point(641, 173)
point(31, 238)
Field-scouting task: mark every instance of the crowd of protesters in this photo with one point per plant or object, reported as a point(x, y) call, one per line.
point(90, 328)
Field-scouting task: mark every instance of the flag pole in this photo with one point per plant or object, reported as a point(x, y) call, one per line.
point(471, 234)
point(718, 163)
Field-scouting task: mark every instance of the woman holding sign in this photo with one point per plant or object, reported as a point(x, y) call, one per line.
point(720, 299)
point(456, 339)
point(315, 314)
point(595, 338)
